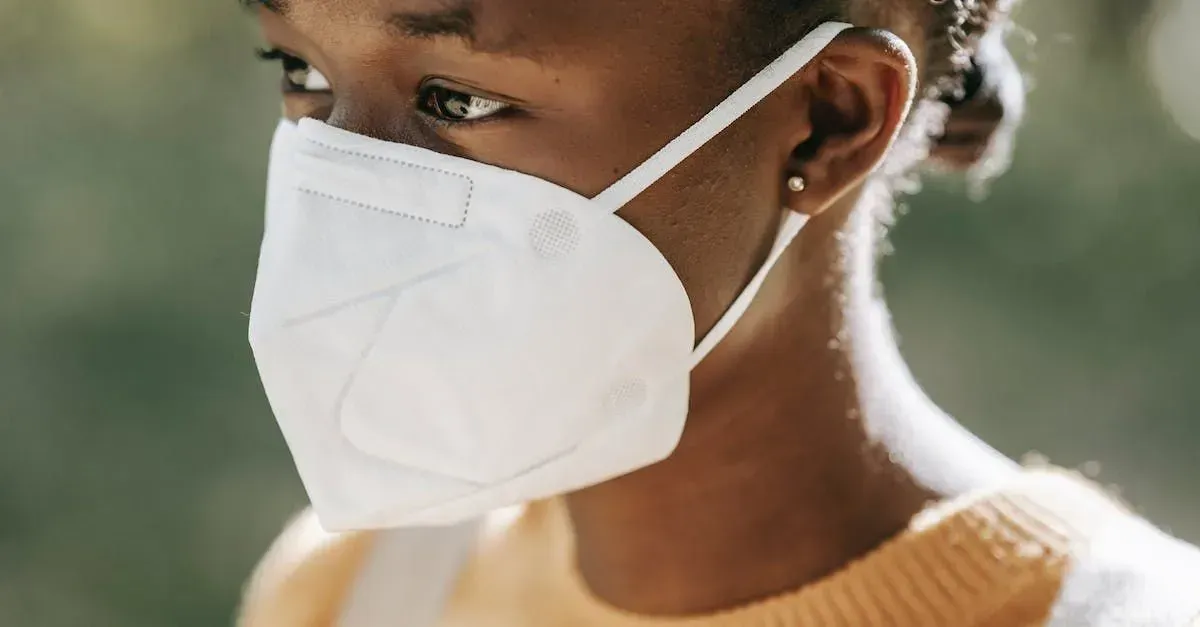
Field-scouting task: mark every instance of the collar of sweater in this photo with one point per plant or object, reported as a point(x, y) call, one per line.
point(958, 563)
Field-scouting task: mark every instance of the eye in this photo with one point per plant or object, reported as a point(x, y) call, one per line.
point(449, 105)
point(298, 75)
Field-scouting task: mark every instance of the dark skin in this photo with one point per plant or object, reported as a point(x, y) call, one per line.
point(778, 479)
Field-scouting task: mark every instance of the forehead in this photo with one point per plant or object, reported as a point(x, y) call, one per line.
point(596, 24)
point(540, 28)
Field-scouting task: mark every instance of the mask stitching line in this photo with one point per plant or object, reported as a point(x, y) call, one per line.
point(361, 205)
point(369, 156)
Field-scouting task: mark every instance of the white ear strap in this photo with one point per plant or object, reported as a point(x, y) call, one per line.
point(715, 121)
point(788, 229)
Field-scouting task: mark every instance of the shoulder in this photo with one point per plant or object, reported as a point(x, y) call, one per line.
point(305, 577)
point(1127, 572)
point(1131, 574)
point(313, 578)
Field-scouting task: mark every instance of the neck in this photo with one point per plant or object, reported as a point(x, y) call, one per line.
point(807, 445)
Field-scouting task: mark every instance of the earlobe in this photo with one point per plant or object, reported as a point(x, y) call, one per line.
point(860, 90)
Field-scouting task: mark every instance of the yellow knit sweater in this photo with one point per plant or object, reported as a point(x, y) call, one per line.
point(998, 558)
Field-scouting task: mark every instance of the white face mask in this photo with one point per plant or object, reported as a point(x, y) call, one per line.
point(439, 337)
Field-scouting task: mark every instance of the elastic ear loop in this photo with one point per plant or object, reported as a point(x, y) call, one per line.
point(715, 121)
point(788, 229)
point(720, 117)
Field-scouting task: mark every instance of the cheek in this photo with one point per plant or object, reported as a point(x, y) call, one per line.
point(713, 218)
point(296, 106)
point(562, 151)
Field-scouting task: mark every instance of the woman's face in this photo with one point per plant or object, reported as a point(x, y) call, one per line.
point(576, 92)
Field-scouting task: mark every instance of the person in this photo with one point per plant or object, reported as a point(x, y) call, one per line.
point(483, 372)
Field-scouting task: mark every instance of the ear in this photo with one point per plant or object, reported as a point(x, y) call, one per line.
point(859, 90)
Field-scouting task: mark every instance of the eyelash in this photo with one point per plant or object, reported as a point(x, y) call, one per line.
point(427, 97)
point(292, 64)
point(486, 109)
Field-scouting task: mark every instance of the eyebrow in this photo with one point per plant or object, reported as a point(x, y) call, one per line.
point(455, 19)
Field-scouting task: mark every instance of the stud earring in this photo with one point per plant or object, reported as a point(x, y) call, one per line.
point(796, 183)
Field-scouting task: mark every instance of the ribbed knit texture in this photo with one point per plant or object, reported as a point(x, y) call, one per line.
point(996, 558)
point(985, 560)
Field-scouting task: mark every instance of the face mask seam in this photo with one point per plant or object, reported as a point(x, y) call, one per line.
point(366, 155)
point(362, 205)
point(354, 153)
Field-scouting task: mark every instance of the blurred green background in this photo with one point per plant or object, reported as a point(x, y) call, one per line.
point(141, 474)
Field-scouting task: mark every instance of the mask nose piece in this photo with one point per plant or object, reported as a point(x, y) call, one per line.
point(375, 121)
